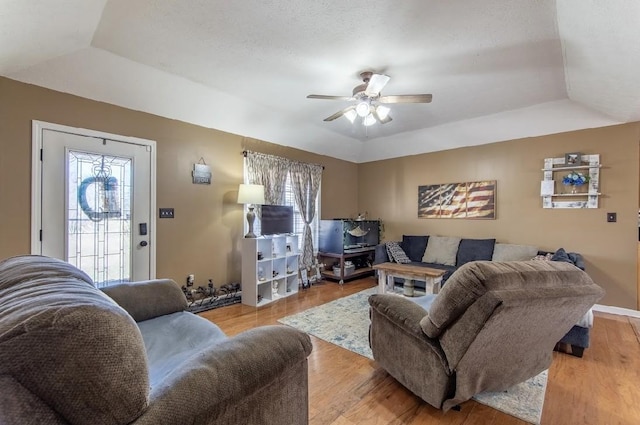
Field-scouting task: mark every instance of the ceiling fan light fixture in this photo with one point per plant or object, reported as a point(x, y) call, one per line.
point(383, 112)
point(363, 109)
point(369, 120)
point(368, 101)
point(351, 115)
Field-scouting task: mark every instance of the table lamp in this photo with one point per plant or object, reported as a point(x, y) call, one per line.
point(251, 195)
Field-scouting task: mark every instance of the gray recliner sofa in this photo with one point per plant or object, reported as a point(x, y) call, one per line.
point(72, 354)
point(460, 251)
point(493, 325)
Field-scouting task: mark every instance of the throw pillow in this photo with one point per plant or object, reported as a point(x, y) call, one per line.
point(576, 260)
point(561, 255)
point(414, 246)
point(475, 250)
point(511, 252)
point(396, 253)
point(441, 250)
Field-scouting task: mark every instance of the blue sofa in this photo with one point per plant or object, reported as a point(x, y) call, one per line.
point(451, 253)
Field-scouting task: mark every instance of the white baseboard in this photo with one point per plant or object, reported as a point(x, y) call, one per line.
point(617, 310)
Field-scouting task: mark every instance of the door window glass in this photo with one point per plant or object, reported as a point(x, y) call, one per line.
point(98, 205)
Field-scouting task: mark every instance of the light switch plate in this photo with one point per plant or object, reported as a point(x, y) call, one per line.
point(612, 217)
point(166, 213)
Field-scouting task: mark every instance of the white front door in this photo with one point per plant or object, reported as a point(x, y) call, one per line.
point(95, 208)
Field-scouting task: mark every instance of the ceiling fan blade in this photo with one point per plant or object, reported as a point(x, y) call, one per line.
point(321, 96)
point(406, 98)
point(381, 120)
point(376, 84)
point(340, 113)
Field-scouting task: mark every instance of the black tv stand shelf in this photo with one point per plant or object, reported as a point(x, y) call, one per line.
point(341, 241)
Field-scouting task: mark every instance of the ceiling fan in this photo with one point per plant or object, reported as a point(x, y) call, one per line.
point(369, 103)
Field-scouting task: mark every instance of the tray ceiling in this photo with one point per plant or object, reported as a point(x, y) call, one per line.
point(498, 70)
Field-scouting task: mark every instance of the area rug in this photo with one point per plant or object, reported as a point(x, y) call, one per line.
point(345, 323)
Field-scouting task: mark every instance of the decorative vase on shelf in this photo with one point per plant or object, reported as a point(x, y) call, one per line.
point(573, 180)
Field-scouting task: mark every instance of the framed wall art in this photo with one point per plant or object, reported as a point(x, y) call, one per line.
point(475, 200)
point(572, 159)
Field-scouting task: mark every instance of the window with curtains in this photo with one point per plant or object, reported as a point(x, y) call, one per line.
point(291, 183)
point(298, 223)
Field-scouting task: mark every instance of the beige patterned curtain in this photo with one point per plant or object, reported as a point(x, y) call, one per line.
point(305, 179)
point(271, 172)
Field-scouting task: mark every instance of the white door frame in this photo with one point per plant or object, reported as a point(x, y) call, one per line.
point(37, 128)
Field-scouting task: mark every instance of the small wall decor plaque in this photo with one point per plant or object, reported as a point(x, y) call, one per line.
point(572, 159)
point(201, 173)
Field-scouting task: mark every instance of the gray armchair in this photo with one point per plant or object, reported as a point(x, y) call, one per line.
point(71, 355)
point(492, 326)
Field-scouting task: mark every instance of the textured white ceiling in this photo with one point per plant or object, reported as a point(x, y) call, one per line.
point(602, 54)
point(497, 69)
point(33, 31)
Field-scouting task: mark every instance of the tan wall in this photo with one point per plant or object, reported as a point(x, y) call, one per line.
point(389, 189)
point(204, 237)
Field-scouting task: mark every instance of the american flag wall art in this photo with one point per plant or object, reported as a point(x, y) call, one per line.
point(458, 200)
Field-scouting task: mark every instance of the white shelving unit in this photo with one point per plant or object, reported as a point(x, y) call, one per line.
point(269, 268)
point(589, 199)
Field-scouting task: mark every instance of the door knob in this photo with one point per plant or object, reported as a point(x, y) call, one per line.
point(143, 243)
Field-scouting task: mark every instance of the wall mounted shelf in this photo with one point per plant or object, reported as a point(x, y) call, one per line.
point(588, 199)
point(579, 167)
point(576, 194)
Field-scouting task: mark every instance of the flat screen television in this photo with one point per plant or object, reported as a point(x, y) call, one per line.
point(276, 219)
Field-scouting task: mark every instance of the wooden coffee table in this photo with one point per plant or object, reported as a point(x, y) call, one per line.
point(388, 271)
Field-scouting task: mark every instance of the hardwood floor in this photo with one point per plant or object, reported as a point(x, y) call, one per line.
point(345, 388)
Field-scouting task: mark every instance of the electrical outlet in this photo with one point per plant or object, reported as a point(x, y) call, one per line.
point(612, 217)
point(166, 213)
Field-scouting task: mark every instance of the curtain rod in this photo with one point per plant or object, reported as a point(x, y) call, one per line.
point(245, 152)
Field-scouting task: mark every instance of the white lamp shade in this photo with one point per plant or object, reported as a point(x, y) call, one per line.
point(363, 109)
point(351, 115)
point(369, 120)
point(251, 194)
point(383, 112)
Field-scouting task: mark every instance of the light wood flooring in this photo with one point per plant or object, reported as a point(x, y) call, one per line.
point(345, 388)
